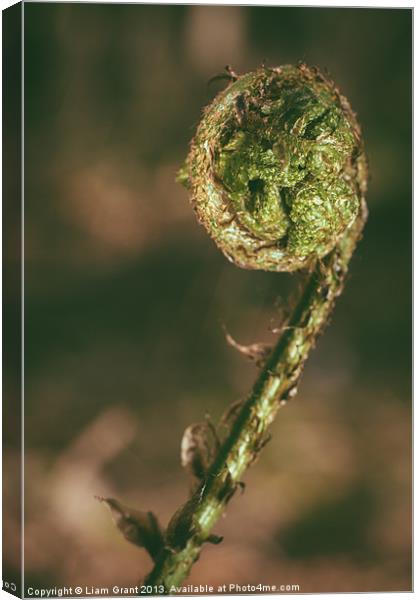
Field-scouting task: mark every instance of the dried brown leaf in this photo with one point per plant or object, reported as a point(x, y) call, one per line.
point(139, 528)
point(198, 446)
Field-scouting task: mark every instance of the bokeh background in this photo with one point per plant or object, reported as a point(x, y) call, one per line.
point(126, 298)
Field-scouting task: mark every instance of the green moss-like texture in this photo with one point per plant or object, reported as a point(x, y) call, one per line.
point(277, 169)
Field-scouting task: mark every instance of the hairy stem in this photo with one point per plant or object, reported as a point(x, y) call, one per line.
point(191, 526)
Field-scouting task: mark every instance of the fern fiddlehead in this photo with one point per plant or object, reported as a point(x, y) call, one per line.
point(277, 175)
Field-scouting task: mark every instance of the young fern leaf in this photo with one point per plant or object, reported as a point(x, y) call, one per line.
point(277, 171)
point(277, 175)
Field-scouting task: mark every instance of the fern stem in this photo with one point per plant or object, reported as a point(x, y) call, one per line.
point(192, 524)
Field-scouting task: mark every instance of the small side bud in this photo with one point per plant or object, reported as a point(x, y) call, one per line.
point(137, 527)
point(197, 449)
point(214, 539)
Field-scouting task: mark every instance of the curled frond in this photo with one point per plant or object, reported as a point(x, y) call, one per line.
point(277, 170)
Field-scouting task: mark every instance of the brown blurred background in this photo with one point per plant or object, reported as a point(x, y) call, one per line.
point(126, 296)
